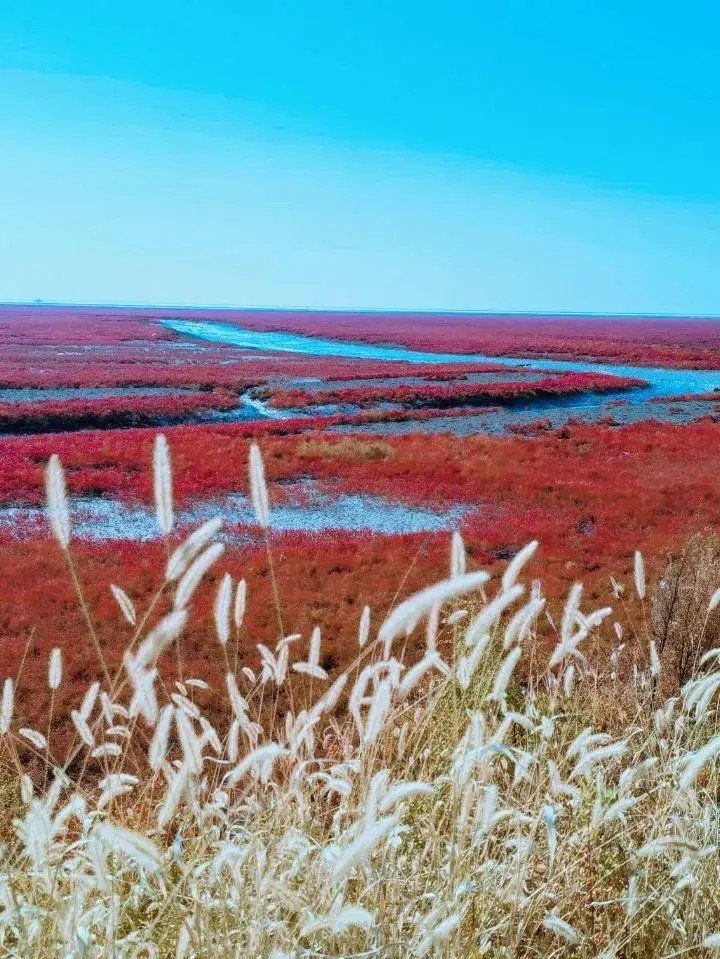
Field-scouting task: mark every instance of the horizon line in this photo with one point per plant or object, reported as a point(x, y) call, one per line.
point(369, 311)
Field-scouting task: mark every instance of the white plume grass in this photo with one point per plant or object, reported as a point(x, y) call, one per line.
point(125, 603)
point(186, 552)
point(639, 570)
point(193, 576)
point(413, 609)
point(258, 487)
point(57, 501)
point(221, 609)
point(55, 668)
point(162, 475)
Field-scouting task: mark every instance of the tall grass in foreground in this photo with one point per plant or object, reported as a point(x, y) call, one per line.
point(438, 807)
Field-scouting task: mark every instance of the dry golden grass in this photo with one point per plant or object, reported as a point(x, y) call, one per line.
point(348, 448)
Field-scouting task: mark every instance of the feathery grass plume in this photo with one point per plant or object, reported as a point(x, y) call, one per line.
point(329, 699)
point(240, 603)
point(307, 669)
point(162, 476)
point(262, 756)
point(194, 574)
point(467, 665)
point(379, 706)
point(144, 701)
point(189, 742)
point(35, 738)
point(432, 627)
point(665, 844)
point(361, 848)
point(89, 699)
point(176, 791)
point(411, 610)
point(258, 487)
point(83, 730)
point(694, 761)
point(183, 942)
point(131, 844)
point(338, 922)
point(7, 706)
point(107, 749)
point(237, 701)
point(55, 668)
point(572, 607)
point(158, 640)
point(458, 557)
point(186, 552)
point(601, 755)
point(57, 502)
point(125, 603)
point(403, 791)
point(562, 928)
point(547, 814)
point(639, 569)
point(655, 664)
point(431, 660)
point(314, 652)
point(504, 673)
point(221, 609)
point(364, 627)
point(712, 941)
point(491, 613)
point(522, 622)
point(438, 935)
point(516, 564)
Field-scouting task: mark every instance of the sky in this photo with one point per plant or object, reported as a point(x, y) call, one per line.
point(545, 155)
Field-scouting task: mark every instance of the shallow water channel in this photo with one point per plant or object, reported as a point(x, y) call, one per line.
point(661, 381)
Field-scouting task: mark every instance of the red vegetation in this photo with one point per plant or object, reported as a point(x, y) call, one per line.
point(691, 343)
point(50, 416)
point(60, 326)
point(81, 348)
point(470, 394)
point(183, 364)
point(590, 495)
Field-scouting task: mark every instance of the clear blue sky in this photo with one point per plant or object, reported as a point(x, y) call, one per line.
point(536, 155)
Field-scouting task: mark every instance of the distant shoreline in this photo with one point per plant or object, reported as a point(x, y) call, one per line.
point(351, 311)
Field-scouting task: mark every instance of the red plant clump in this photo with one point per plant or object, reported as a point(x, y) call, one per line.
point(50, 416)
point(562, 384)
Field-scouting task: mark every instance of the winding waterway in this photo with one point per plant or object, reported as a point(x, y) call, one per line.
point(661, 381)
